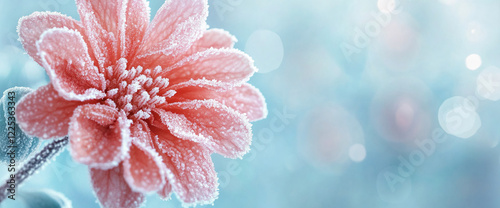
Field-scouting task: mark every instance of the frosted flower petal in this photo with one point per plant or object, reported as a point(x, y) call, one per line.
point(226, 65)
point(144, 170)
point(45, 114)
point(191, 170)
point(112, 190)
point(99, 136)
point(102, 21)
point(246, 99)
point(69, 66)
point(31, 27)
point(175, 27)
point(122, 87)
point(208, 122)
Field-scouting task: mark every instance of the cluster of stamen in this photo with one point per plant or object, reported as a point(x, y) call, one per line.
point(136, 90)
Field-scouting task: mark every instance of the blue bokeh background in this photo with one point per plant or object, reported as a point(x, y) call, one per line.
point(354, 90)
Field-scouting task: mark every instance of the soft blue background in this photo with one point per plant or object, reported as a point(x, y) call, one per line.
point(384, 98)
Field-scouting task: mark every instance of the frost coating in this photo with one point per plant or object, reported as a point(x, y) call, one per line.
point(64, 56)
point(144, 169)
point(144, 104)
point(190, 169)
point(23, 144)
point(99, 136)
point(208, 122)
point(246, 99)
point(189, 18)
point(112, 190)
point(43, 22)
point(45, 113)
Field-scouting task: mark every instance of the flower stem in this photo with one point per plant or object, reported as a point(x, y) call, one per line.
point(35, 163)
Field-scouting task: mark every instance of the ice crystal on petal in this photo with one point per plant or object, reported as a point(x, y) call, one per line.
point(144, 104)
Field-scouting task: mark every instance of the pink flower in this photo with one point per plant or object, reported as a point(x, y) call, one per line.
point(144, 104)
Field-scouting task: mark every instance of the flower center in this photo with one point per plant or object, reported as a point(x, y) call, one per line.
point(135, 91)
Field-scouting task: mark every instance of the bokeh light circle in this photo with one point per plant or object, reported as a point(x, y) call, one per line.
point(357, 152)
point(488, 83)
point(386, 6)
point(400, 110)
point(457, 116)
point(329, 136)
point(473, 61)
point(266, 49)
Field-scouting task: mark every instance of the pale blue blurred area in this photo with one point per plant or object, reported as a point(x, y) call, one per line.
point(384, 98)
